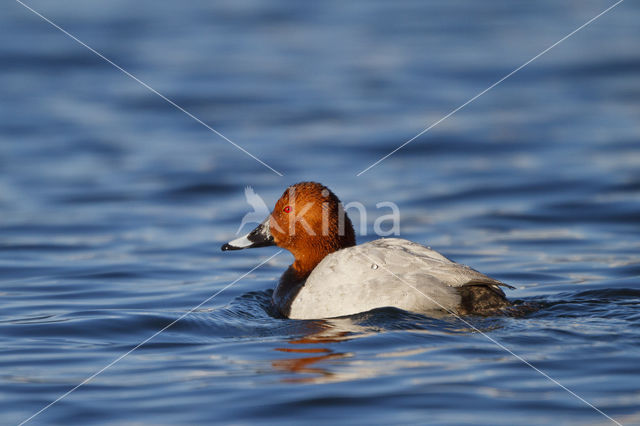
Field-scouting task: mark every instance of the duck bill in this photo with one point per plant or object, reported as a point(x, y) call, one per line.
point(259, 237)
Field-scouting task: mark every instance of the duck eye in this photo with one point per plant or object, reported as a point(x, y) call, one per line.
point(287, 209)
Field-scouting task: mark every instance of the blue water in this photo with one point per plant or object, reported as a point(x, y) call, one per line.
point(114, 205)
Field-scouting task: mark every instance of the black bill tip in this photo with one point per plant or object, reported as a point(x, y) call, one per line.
point(259, 237)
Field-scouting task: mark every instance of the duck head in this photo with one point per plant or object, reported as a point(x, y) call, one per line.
point(308, 221)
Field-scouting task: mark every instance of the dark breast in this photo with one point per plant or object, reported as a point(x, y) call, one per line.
point(288, 288)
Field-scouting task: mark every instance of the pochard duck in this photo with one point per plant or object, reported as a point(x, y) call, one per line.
point(331, 276)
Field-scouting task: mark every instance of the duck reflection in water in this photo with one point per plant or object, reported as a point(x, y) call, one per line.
point(315, 357)
point(311, 369)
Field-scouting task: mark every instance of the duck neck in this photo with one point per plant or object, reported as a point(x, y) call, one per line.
point(311, 254)
point(304, 265)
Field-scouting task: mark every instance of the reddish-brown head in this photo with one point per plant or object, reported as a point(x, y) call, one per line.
point(308, 220)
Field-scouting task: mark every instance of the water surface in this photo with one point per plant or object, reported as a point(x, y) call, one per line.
point(114, 205)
